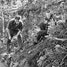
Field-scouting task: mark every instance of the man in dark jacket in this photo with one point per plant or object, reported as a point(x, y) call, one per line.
point(43, 32)
point(14, 28)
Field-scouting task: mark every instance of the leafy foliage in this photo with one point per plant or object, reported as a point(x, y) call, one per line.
point(44, 34)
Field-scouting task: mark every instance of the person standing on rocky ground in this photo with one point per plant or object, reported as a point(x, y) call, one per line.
point(14, 29)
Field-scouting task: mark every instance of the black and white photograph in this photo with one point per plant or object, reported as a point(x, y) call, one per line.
point(33, 33)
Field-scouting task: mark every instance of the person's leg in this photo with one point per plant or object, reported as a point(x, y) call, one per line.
point(9, 44)
point(20, 41)
point(9, 61)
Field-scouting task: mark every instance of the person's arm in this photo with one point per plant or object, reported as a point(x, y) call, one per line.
point(18, 33)
point(20, 28)
point(15, 37)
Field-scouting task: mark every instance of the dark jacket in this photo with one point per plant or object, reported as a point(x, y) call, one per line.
point(14, 28)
